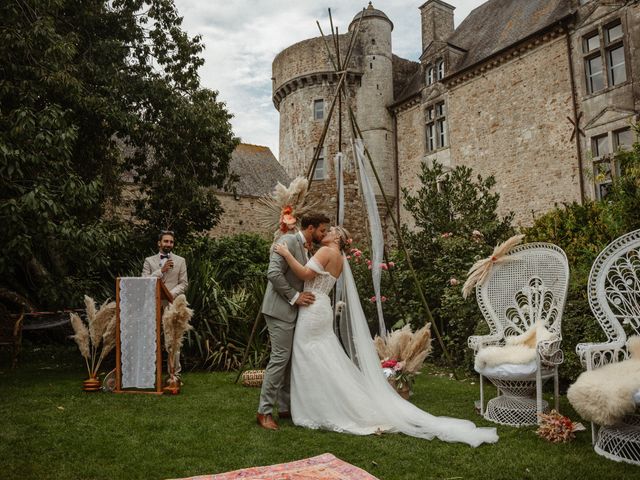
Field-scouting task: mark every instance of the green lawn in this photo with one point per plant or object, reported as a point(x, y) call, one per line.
point(49, 428)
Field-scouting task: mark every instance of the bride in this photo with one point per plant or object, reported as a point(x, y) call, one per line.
point(333, 391)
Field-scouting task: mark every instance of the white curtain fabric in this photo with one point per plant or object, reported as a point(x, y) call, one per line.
point(377, 239)
point(138, 331)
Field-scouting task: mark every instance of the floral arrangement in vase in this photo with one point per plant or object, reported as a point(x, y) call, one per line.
point(95, 338)
point(402, 353)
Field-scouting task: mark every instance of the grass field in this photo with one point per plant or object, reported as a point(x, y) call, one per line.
point(50, 429)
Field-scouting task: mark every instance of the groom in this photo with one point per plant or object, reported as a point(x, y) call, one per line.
point(280, 309)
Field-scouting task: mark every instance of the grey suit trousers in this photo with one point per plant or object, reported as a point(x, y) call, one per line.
point(277, 377)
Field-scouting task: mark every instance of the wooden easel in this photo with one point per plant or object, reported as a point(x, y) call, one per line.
point(162, 293)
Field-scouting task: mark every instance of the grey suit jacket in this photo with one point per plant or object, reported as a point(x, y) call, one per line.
point(174, 279)
point(283, 283)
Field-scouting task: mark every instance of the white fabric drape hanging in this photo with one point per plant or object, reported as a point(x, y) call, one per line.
point(377, 239)
point(138, 331)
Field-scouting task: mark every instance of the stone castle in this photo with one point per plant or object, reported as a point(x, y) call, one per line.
point(537, 93)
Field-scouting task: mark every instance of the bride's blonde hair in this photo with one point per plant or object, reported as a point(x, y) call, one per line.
point(344, 236)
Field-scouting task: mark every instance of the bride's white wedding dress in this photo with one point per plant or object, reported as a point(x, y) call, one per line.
point(329, 391)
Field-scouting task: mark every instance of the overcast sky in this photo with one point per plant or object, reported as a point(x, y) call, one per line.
point(242, 37)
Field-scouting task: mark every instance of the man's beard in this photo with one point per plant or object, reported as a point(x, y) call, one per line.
point(166, 250)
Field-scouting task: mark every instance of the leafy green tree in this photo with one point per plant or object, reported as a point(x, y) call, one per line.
point(93, 93)
point(456, 223)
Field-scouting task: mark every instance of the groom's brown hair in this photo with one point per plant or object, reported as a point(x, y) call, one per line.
point(314, 219)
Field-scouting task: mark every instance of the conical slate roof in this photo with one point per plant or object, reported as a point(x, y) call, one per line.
point(371, 12)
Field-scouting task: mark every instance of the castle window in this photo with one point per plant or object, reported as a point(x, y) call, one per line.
point(604, 51)
point(436, 127)
point(430, 76)
point(319, 172)
point(318, 109)
point(623, 139)
point(595, 80)
point(440, 69)
point(600, 146)
point(373, 41)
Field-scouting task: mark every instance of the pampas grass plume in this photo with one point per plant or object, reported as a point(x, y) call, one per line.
point(81, 336)
point(175, 321)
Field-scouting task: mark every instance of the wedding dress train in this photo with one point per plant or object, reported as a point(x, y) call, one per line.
point(331, 391)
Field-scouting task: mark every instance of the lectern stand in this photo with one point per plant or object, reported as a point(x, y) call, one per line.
point(138, 334)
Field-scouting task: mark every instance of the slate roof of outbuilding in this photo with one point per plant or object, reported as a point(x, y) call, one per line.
point(257, 169)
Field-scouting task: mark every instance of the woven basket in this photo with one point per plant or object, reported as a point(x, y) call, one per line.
point(252, 378)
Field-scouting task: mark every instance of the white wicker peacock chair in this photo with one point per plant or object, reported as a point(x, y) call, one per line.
point(518, 294)
point(614, 297)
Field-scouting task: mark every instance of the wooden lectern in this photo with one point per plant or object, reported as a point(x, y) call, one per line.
point(161, 293)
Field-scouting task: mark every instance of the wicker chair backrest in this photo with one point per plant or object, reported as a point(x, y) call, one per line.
point(530, 286)
point(614, 287)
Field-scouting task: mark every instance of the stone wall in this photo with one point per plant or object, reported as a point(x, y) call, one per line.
point(308, 56)
point(411, 148)
point(240, 216)
point(511, 122)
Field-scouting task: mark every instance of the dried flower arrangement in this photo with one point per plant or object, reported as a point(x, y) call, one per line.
point(98, 331)
point(175, 323)
point(402, 353)
point(557, 428)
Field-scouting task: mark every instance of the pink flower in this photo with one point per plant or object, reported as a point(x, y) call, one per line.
point(368, 262)
point(383, 298)
point(348, 257)
point(383, 266)
point(369, 266)
point(446, 235)
point(391, 264)
point(454, 282)
point(373, 299)
point(357, 253)
point(398, 367)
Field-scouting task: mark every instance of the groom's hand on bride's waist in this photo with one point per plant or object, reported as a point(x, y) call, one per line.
point(305, 298)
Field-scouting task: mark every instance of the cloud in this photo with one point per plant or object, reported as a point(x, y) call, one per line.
point(242, 37)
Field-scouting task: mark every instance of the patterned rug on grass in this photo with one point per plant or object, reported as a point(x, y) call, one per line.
point(322, 467)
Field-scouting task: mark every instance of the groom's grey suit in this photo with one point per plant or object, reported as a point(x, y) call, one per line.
point(280, 314)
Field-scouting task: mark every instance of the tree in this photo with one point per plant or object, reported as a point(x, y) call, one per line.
point(456, 223)
point(91, 91)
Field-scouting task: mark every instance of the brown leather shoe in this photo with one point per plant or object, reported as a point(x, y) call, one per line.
point(266, 421)
point(284, 414)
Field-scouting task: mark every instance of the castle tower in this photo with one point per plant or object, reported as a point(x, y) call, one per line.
point(304, 85)
point(376, 93)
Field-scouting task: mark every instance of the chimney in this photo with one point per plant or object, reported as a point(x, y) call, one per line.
point(437, 21)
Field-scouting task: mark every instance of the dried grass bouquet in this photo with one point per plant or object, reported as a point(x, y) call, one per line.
point(97, 337)
point(402, 353)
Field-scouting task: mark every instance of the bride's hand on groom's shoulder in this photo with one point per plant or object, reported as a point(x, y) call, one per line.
point(281, 249)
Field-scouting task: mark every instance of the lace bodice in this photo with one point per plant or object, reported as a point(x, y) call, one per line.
point(322, 283)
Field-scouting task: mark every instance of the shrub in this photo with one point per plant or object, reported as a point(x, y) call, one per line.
point(226, 286)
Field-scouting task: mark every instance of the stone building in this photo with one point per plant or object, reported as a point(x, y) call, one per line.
point(501, 93)
point(258, 173)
